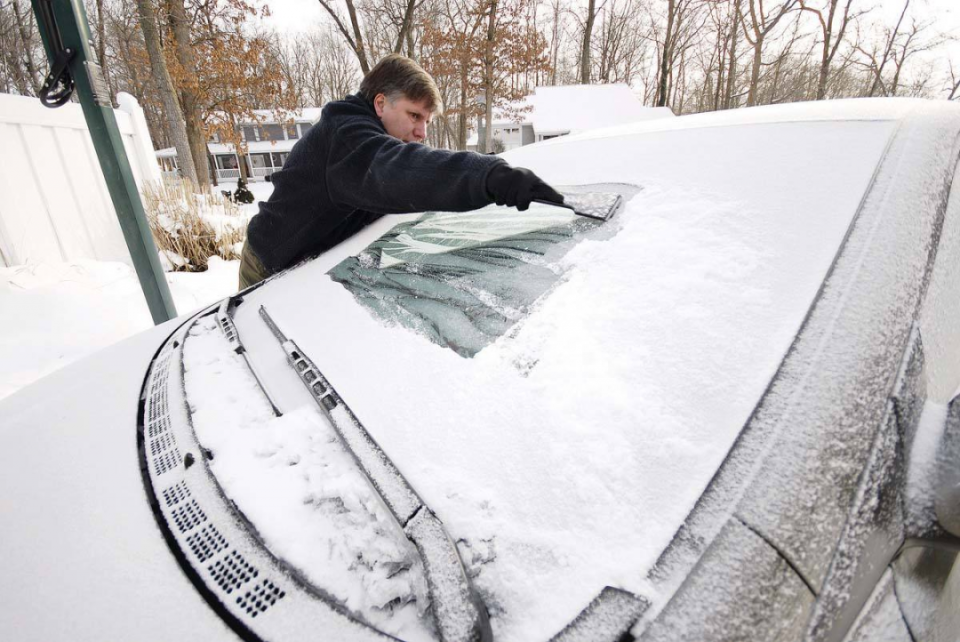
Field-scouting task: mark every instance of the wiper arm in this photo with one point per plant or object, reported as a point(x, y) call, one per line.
point(460, 614)
point(229, 329)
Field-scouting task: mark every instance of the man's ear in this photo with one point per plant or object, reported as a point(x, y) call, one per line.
point(378, 103)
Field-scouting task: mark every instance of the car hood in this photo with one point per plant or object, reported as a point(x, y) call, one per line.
point(82, 553)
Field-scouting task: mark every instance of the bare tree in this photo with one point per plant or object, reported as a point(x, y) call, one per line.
point(25, 30)
point(176, 129)
point(353, 36)
point(406, 26)
point(622, 49)
point(20, 48)
point(831, 34)
point(585, 47)
point(188, 85)
point(955, 84)
point(488, 60)
point(684, 20)
point(878, 58)
point(734, 38)
point(896, 46)
point(761, 25)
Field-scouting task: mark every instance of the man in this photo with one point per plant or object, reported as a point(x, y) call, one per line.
point(364, 159)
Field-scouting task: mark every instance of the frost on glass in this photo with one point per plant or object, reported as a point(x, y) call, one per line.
point(463, 279)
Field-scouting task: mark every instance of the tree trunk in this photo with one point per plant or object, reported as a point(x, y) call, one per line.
point(755, 72)
point(358, 38)
point(555, 43)
point(825, 55)
point(585, 51)
point(188, 91)
point(176, 129)
point(665, 61)
point(32, 71)
point(732, 70)
point(878, 73)
point(462, 116)
point(405, 27)
point(488, 77)
point(102, 46)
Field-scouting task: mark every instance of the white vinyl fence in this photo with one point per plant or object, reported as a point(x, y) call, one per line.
point(54, 203)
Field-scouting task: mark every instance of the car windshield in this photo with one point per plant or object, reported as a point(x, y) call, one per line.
point(464, 279)
point(560, 392)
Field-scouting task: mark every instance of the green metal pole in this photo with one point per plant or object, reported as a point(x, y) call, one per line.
point(71, 21)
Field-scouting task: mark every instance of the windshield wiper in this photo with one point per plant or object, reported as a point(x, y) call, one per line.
point(460, 614)
point(229, 329)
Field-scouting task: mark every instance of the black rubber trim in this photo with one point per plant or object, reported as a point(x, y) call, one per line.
point(292, 574)
point(780, 554)
point(896, 596)
point(228, 618)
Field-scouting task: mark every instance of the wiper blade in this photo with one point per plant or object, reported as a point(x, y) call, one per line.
point(460, 614)
point(229, 329)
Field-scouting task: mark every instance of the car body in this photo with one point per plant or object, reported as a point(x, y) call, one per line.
point(729, 412)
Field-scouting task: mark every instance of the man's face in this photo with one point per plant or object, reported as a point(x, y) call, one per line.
point(404, 118)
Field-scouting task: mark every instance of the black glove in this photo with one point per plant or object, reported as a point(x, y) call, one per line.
point(517, 187)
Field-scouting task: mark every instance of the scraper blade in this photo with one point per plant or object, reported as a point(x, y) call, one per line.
point(596, 205)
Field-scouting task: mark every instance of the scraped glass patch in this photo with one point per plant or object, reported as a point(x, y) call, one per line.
point(463, 279)
point(442, 232)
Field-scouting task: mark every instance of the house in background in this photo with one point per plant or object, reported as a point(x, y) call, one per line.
point(268, 144)
point(569, 109)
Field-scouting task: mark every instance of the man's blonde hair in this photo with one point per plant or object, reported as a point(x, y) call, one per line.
point(396, 76)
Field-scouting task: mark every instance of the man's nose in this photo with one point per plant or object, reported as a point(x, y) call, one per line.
point(420, 131)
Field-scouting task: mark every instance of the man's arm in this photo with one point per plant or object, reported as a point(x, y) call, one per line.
point(370, 170)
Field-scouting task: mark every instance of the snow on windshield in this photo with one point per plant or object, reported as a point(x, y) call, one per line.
point(565, 454)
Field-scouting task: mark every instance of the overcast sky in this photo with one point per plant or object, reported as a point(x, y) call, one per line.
point(300, 15)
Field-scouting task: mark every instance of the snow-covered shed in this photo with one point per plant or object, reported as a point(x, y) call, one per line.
point(555, 111)
point(573, 108)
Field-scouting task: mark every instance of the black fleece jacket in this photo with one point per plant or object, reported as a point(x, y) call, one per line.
point(347, 172)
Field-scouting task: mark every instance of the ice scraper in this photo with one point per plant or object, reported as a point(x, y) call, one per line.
point(596, 205)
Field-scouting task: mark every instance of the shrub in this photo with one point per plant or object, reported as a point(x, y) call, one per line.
point(242, 195)
point(189, 227)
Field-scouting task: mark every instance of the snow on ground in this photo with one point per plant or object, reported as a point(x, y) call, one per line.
point(52, 314)
point(261, 191)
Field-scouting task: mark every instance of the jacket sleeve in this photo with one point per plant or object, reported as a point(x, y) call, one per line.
point(373, 171)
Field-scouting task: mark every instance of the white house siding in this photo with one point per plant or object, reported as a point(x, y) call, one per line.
point(55, 205)
point(509, 133)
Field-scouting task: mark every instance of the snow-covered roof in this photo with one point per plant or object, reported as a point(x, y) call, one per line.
point(311, 114)
point(268, 116)
point(573, 108)
point(254, 146)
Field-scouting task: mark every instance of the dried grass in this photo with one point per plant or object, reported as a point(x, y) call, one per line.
point(193, 226)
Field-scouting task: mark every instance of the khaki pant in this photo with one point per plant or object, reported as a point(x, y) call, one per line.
point(251, 269)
